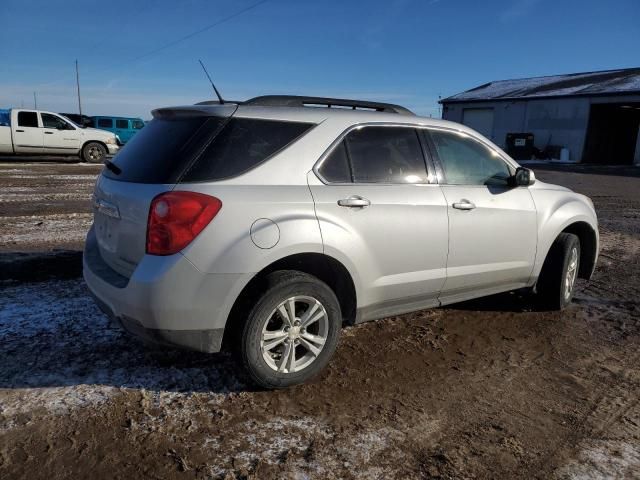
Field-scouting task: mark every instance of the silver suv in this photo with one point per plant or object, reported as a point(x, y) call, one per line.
point(265, 226)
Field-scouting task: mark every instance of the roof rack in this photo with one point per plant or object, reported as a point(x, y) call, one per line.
point(300, 101)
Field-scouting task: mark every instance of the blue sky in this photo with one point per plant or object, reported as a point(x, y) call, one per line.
point(403, 51)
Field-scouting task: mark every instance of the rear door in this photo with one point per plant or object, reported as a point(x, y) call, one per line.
point(59, 135)
point(379, 213)
point(122, 129)
point(492, 225)
point(27, 134)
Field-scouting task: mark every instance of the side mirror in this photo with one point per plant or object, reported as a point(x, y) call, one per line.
point(523, 177)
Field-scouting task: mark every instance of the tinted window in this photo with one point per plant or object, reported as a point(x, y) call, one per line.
point(137, 124)
point(161, 151)
point(122, 124)
point(466, 161)
point(52, 121)
point(27, 119)
point(335, 168)
point(105, 123)
point(242, 144)
point(386, 155)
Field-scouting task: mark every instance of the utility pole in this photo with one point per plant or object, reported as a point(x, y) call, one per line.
point(35, 101)
point(78, 84)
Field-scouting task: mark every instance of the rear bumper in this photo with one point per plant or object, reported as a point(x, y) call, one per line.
point(166, 300)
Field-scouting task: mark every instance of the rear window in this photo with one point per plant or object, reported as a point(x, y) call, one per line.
point(196, 149)
point(241, 145)
point(158, 153)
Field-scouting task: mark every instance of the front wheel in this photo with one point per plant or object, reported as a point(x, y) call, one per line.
point(292, 331)
point(94, 152)
point(557, 280)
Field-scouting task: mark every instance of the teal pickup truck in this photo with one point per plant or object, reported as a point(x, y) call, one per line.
point(124, 127)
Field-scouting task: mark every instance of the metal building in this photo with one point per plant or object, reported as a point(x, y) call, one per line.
point(594, 116)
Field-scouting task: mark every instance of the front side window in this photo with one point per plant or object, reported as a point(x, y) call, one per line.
point(466, 161)
point(122, 124)
point(137, 124)
point(52, 121)
point(105, 123)
point(27, 119)
point(386, 155)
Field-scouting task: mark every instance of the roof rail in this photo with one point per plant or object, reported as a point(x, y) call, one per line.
point(300, 101)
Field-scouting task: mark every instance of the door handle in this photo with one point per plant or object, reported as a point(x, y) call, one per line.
point(464, 204)
point(354, 201)
point(21, 131)
point(48, 133)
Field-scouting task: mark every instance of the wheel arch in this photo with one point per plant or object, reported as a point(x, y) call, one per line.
point(588, 247)
point(324, 267)
point(588, 237)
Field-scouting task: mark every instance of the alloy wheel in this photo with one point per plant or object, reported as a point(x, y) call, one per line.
point(572, 270)
point(294, 334)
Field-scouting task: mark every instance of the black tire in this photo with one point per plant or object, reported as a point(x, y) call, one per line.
point(94, 152)
point(554, 289)
point(281, 286)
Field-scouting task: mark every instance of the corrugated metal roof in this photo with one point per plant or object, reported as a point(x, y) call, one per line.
point(573, 84)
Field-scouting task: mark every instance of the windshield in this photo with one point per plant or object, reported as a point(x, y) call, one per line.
point(72, 122)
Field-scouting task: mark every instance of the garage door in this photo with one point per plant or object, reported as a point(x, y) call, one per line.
point(480, 119)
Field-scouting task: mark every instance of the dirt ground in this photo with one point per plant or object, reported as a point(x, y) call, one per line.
point(486, 389)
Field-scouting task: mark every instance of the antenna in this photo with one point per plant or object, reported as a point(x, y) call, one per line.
point(211, 81)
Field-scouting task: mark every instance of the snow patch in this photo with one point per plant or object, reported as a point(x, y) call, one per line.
point(604, 459)
point(60, 353)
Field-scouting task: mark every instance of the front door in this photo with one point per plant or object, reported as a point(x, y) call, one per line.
point(492, 225)
point(379, 214)
point(27, 134)
point(59, 135)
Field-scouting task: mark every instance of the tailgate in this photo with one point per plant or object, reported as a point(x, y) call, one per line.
point(121, 210)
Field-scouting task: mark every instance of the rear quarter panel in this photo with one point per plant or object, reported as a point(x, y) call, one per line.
point(226, 244)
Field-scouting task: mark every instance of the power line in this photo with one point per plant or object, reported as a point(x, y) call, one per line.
point(197, 32)
point(172, 43)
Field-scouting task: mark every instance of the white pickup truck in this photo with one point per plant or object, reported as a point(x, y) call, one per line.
point(34, 132)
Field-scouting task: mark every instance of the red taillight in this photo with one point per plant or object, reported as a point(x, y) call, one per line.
point(176, 218)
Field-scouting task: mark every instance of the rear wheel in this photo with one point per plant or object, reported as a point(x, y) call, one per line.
point(94, 152)
point(557, 280)
point(292, 330)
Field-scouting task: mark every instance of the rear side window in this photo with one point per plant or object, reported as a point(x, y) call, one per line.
point(105, 123)
point(242, 144)
point(122, 124)
point(335, 168)
point(390, 155)
point(160, 152)
point(27, 119)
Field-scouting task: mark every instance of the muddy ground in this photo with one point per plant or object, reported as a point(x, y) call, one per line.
point(486, 389)
point(45, 206)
